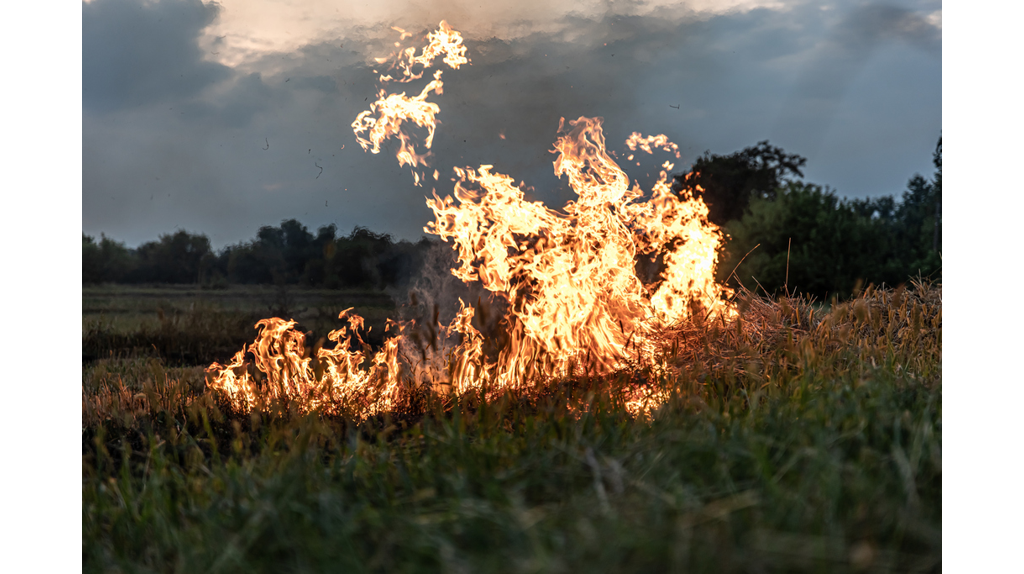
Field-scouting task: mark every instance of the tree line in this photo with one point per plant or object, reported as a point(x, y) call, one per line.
point(280, 255)
point(781, 234)
point(786, 234)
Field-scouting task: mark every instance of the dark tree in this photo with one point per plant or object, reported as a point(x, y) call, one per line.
point(730, 181)
point(919, 233)
point(356, 262)
point(298, 248)
point(937, 186)
point(108, 261)
point(260, 261)
point(805, 237)
point(321, 251)
point(175, 258)
point(808, 240)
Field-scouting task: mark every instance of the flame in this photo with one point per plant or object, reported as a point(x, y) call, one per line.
point(388, 114)
point(575, 301)
point(570, 276)
point(281, 357)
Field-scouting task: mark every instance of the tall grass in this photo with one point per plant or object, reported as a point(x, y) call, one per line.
point(794, 440)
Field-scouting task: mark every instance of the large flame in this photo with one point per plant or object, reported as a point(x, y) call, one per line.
point(575, 301)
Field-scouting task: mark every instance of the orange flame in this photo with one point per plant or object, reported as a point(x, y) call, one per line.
point(387, 115)
point(280, 355)
point(576, 303)
point(571, 276)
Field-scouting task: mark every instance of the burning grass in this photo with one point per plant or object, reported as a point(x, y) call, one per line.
point(794, 439)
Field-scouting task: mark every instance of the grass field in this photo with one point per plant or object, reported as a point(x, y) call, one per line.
point(185, 325)
point(794, 441)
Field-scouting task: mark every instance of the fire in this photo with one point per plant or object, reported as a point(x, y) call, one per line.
point(576, 303)
point(387, 115)
point(282, 359)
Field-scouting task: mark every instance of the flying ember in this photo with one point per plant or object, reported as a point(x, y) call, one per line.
point(575, 303)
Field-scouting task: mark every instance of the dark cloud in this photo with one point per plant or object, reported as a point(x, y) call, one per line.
point(714, 82)
point(866, 27)
point(235, 108)
point(325, 84)
point(135, 54)
point(840, 57)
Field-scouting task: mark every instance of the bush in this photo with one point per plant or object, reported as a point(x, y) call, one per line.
point(808, 239)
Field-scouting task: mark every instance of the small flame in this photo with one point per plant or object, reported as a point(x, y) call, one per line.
point(387, 115)
point(280, 355)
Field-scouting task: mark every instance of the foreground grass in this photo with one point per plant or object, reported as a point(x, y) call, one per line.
point(801, 444)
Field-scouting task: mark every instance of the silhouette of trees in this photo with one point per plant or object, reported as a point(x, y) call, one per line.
point(825, 245)
point(174, 258)
point(108, 261)
point(281, 255)
point(729, 182)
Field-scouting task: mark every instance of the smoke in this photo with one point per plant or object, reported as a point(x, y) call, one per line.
point(431, 303)
point(436, 295)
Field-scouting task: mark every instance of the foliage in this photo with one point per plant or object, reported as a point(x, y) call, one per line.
point(176, 258)
point(807, 442)
point(804, 237)
point(730, 182)
point(832, 245)
point(285, 255)
point(108, 261)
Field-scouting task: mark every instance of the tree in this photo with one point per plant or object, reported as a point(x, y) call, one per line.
point(730, 181)
point(937, 187)
point(824, 245)
point(919, 233)
point(356, 261)
point(175, 258)
point(108, 261)
point(297, 248)
point(321, 251)
point(807, 239)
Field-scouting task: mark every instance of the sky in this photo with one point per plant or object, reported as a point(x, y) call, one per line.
point(217, 118)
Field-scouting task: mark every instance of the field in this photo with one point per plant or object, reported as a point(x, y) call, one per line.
point(797, 439)
point(186, 325)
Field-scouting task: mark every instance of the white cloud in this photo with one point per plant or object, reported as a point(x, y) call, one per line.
point(247, 30)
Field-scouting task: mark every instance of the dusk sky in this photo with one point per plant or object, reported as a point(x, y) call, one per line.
point(214, 117)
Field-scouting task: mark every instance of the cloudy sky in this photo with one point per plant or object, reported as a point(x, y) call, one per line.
point(217, 117)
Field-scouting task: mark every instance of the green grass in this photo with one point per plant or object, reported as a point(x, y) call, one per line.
point(793, 442)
